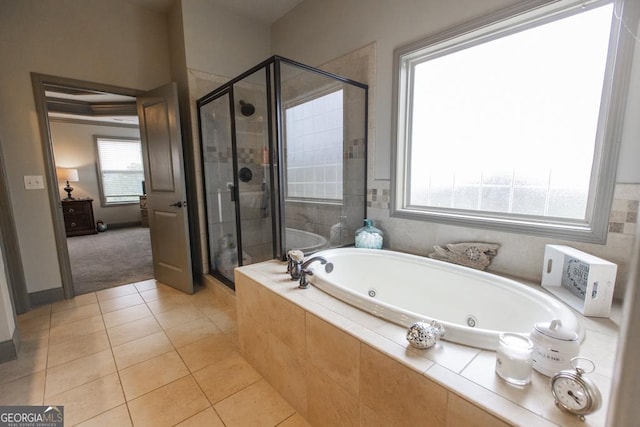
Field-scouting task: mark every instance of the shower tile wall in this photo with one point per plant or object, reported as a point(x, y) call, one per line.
point(336, 221)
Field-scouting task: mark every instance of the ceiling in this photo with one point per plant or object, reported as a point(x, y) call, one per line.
point(266, 11)
point(66, 103)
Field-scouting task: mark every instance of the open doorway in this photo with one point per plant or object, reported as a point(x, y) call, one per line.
point(95, 151)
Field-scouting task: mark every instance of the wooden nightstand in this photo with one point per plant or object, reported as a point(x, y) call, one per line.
point(78, 217)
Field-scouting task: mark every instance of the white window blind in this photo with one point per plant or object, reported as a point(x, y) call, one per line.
point(121, 170)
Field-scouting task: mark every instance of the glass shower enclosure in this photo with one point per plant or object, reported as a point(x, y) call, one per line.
point(283, 162)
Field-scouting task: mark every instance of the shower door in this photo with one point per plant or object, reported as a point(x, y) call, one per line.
point(251, 107)
point(238, 176)
point(284, 163)
point(217, 138)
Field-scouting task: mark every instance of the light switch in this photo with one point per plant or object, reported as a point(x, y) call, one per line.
point(33, 182)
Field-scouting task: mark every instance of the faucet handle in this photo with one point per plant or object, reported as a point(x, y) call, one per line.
point(295, 255)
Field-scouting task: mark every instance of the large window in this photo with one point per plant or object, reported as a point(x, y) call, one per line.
point(507, 125)
point(120, 170)
point(314, 147)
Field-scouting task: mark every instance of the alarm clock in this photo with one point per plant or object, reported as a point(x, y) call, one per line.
point(574, 392)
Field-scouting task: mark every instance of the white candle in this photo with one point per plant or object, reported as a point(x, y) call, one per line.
point(513, 358)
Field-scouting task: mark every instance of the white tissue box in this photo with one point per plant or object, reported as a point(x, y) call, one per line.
point(583, 281)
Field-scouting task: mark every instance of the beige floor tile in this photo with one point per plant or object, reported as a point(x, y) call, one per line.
point(125, 315)
point(76, 301)
point(116, 292)
point(145, 285)
point(224, 318)
point(268, 408)
point(43, 310)
point(169, 302)
point(77, 347)
point(152, 374)
point(142, 349)
point(34, 341)
point(295, 420)
point(78, 372)
point(25, 364)
point(168, 405)
point(74, 314)
point(160, 292)
point(222, 379)
point(88, 400)
point(191, 332)
point(118, 303)
point(208, 418)
point(206, 351)
point(28, 390)
point(116, 417)
point(76, 329)
point(30, 324)
point(133, 330)
point(179, 316)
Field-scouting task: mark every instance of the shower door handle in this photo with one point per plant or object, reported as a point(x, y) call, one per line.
point(232, 191)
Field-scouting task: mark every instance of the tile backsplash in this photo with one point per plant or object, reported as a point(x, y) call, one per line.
point(624, 210)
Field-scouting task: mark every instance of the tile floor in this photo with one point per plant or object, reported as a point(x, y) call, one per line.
point(142, 354)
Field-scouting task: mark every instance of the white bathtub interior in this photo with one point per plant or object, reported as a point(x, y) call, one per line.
point(474, 306)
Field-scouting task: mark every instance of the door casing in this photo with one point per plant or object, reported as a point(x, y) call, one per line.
point(38, 83)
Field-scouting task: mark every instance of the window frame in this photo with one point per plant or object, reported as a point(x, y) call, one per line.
point(617, 75)
point(96, 139)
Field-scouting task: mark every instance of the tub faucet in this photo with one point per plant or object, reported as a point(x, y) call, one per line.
point(297, 267)
point(304, 272)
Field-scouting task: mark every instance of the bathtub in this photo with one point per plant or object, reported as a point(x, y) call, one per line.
point(474, 306)
point(305, 241)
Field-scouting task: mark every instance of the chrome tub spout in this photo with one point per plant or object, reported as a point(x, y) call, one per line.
point(304, 271)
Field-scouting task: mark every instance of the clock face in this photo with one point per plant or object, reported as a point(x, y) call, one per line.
point(571, 394)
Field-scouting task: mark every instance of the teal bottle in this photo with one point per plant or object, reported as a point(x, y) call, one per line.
point(369, 236)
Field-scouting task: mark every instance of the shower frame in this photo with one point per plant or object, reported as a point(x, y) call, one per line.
point(274, 143)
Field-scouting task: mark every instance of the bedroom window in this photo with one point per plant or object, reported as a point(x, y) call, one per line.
point(510, 122)
point(120, 170)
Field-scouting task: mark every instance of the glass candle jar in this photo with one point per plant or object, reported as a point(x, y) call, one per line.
point(368, 236)
point(514, 358)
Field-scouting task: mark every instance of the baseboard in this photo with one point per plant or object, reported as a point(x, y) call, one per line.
point(9, 348)
point(46, 297)
point(129, 224)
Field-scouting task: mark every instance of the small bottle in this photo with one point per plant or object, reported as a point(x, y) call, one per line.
point(369, 236)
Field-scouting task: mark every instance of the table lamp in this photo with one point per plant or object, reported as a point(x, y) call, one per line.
point(67, 174)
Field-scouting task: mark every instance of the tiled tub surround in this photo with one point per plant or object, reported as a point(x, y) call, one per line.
point(337, 365)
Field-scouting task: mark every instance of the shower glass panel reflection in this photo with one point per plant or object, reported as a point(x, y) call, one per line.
point(311, 123)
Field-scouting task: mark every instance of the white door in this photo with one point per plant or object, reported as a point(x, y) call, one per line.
point(165, 185)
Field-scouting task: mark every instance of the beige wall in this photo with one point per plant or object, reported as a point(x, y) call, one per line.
point(74, 147)
point(219, 41)
point(318, 31)
point(209, 46)
point(111, 42)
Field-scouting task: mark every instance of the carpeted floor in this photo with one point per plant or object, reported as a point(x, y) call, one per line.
point(108, 259)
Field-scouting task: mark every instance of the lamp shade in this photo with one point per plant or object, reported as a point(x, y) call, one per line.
point(67, 174)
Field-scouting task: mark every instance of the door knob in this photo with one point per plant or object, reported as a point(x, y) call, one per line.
point(176, 204)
